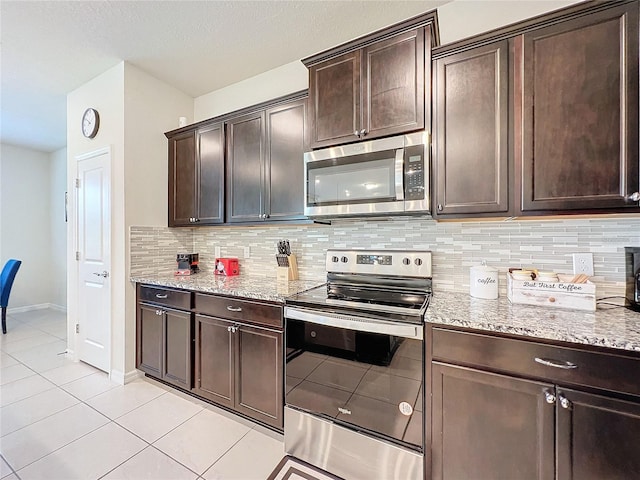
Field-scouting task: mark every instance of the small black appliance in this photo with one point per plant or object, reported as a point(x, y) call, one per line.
point(187, 263)
point(632, 262)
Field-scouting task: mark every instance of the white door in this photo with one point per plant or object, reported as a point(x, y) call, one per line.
point(94, 255)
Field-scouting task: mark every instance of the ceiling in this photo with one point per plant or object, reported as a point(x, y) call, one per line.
point(50, 48)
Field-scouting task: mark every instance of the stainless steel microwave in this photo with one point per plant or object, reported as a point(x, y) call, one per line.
point(385, 176)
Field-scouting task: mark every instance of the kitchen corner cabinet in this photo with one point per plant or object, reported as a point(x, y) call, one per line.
point(164, 335)
point(265, 164)
point(471, 130)
point(372, 87)
point(196, 176)
point(498, 413)
point(239, 356)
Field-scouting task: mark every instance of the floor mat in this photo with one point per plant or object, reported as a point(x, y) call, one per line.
point(291, 468)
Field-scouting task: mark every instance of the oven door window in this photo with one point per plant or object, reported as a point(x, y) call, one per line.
point(364, 178)
point(365, 381)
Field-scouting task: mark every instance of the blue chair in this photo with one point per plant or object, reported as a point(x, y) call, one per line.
point(6, 281)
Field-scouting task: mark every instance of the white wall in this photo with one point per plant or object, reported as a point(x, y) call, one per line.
point(457, 20)
point(280, 81)
point(25, 223)
point(58, 186)
point(135, 110)
point(465, 18)
point(151, 107)
point(105, 93)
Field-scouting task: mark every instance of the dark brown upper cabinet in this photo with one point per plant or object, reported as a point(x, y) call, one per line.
point(540, 117)
point(373, 86)
point(579, 126)
point(196, 176)
point(265, 163)
point(245, 167)
point(286, 143)
point(470, 131)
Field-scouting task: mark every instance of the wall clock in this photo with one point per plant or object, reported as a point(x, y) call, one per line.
point(90, 122)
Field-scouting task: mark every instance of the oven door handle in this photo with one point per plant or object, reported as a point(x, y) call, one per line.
point(399, 174)
point(351, 322)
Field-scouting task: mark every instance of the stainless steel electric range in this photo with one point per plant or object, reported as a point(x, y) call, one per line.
point(354, 368)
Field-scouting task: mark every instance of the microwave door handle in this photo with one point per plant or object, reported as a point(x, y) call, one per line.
point(399, 174)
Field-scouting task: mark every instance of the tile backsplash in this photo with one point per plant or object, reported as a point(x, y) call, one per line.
point(456, 246)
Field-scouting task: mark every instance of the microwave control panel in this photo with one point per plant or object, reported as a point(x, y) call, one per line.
point(414, 177)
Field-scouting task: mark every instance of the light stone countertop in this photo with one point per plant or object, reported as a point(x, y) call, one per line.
point(608, 326)
point(245, 286)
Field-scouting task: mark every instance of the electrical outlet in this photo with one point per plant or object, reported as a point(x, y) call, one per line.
point(217, 252)
point(247, 252)
point(583, 263)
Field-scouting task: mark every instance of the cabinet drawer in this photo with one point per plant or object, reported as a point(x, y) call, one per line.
point(240, 310)
point(165, 296)
point(526, 358)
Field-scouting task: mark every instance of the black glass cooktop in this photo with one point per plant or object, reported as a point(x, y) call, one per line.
point(385, 302)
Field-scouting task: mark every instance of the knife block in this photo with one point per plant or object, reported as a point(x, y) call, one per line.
point(284, 274)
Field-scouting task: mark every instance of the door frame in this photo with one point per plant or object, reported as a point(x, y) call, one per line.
point(74, 283)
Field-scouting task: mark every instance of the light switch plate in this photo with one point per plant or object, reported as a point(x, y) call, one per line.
point(583, 263)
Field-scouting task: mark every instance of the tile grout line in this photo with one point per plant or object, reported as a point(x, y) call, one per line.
point(109, 420)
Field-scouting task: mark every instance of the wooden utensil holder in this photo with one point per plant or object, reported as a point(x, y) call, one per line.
point(284, 274)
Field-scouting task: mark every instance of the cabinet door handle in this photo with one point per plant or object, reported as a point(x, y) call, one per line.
point(159, 312)
point(565, 402)
point(549, 397)
point(234, 309)
point(229, 328)
point(439, 207)
point(166, 295)
point(363, 132)
point(356, 133)
point(554, 364)
point(633, 197)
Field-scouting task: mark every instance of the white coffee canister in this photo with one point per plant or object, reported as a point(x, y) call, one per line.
point(483, 282)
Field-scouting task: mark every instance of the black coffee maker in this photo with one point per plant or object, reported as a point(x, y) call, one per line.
point(632, 262)
point(187, 263)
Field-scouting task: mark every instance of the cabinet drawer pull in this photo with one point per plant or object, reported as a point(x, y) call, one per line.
point(549, 397)
point(634, 197)
point(234, 309)
point(166, 295)
point(551, 363)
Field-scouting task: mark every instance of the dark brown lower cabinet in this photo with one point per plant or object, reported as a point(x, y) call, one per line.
point(259, 374)
point(488, 426)
point(164, 344)
point(214, 362)
point(150, 334)
point(598, 437)
point(240, 366)
point(562, 418)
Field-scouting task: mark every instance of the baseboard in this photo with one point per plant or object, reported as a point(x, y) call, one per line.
point(58, 308)
point(40, 306)
point(121, 378)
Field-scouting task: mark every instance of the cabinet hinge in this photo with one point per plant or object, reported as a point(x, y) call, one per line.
point(77, 183)
point(77, 255)
point(77, 328)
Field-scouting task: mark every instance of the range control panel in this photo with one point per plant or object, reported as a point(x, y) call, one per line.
point(404, 263)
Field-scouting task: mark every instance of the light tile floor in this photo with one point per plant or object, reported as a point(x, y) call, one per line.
point(66, 420)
